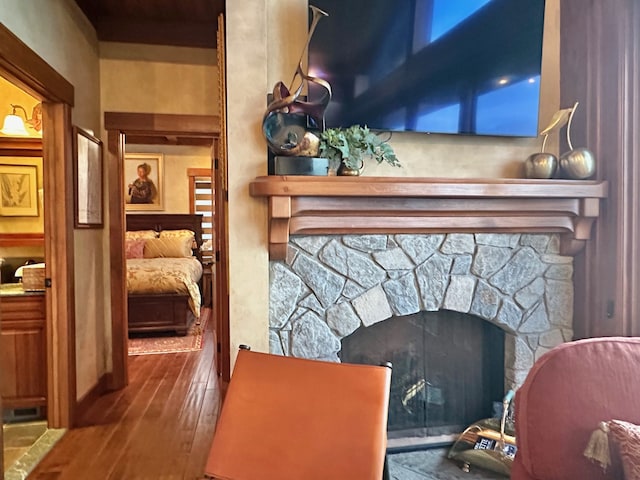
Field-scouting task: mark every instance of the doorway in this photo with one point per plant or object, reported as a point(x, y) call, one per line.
point(147, 129)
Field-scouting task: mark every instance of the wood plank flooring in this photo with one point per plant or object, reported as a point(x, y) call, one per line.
point(160, 427)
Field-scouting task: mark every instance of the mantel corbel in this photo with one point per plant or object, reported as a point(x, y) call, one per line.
point(338, 205)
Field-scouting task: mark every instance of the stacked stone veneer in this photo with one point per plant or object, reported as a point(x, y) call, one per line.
point(329, 286)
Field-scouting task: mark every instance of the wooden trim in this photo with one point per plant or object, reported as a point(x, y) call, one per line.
point(135, 139)
point(20, 147)
point(29, 71)
point(335, 205)
point(21, 239)
point(199, 172)
point(60, 300)
point(599, 48)
point(423, 187)
point(221, 211)
point(119, 321)
point(89, 398)
point(162, 124)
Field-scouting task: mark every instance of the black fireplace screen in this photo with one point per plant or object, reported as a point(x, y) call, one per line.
point(448, 369)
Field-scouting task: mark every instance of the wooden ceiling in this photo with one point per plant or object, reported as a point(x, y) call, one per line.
point(183, 23)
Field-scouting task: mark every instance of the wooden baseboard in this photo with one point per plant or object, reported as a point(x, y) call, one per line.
point(83, 405)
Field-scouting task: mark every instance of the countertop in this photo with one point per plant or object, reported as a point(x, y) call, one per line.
point(15, 290)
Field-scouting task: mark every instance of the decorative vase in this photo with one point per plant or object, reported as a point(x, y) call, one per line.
point(345, 171)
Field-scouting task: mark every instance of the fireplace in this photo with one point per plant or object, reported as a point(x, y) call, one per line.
point(331, 286)
point(448, 369)
point(349, 253)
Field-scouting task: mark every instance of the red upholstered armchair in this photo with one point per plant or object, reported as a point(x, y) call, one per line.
point(566, 394)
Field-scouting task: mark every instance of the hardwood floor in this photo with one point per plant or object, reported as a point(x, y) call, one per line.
point(159, 427)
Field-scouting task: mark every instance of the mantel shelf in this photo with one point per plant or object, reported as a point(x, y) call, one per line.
point(309, 205)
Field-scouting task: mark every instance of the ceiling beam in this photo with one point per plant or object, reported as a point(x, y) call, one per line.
point(156, 32)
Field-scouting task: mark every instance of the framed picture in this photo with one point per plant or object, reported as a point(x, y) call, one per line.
point(19, 190)
point(143, 188)
point(87, 179)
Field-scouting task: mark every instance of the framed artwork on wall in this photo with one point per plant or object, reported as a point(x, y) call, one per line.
point(87, 179)
point(143, 186)
point(18, 190)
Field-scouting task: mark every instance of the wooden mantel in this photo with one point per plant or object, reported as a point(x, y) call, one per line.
point(314, 205)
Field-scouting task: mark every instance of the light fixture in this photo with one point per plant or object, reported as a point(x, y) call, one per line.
point(14, 125)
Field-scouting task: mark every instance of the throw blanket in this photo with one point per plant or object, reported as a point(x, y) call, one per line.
point(166, 275)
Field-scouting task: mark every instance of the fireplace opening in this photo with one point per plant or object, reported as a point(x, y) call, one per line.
point(448, 369)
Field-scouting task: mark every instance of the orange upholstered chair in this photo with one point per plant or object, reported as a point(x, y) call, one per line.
point(286, 418)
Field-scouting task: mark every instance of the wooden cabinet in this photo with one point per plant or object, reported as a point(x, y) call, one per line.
point(23, 383)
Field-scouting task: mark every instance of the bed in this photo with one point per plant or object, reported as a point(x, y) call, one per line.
point(164, 289)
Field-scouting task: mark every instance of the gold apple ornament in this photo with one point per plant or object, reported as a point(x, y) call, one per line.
point(577, 163)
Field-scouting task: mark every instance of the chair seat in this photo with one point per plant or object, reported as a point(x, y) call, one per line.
point(290, 418)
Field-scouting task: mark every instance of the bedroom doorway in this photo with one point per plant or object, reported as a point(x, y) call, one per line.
point(149, 129)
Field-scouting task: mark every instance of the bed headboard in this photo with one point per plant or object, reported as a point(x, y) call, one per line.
point(168, 221)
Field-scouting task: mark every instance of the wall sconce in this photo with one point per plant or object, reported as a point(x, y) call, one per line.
point(14, 125)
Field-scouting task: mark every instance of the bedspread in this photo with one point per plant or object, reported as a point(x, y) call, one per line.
point(166, 275)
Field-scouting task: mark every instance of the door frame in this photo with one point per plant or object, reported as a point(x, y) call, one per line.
point(150, 128)
point(26, 69)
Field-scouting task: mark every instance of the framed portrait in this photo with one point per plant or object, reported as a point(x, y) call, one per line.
point(143, 189)
point(19, 190)
point(87, 179)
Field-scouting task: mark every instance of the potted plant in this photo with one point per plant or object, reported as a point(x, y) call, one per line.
point(347, 148)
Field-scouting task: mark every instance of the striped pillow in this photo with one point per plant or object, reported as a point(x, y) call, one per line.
point(168, 248)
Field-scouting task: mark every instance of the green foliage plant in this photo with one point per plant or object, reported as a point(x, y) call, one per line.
point(352, 145)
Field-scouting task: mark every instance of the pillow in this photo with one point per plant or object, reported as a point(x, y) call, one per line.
point(134, 235)
point(184, 233)
point(627, 437)
point(167, 247)
point(177, 234)
point(134, 247)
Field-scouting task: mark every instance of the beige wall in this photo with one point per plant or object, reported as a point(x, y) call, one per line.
point(247, 87)
point(58, 32)
point(146, 78)
point(252, 70)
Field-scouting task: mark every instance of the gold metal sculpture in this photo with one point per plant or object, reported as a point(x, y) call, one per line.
point(285, 124)
point(578, 163)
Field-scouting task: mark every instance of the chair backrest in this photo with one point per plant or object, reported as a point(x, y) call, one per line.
point(565, 395)
point(291, 418)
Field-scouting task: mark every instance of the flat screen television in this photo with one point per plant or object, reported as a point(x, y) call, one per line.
point(437, 66)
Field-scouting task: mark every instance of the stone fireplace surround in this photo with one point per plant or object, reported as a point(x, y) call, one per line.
point(349, 252)
point(331, 285)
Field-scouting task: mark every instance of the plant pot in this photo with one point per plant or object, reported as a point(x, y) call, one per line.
point(345, 171)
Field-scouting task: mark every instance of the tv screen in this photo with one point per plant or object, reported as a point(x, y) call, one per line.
point(438, 66)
